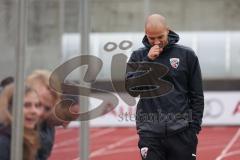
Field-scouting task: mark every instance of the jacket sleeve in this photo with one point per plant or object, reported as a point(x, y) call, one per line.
point(46, 134)
point(4, 148)
point(137, 66)
point(195, 93)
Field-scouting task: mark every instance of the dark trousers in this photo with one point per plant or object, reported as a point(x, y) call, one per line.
point(180, 146)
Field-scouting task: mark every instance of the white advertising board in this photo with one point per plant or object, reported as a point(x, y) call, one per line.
point(221, 108)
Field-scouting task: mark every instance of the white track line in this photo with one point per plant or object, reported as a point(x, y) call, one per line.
point(229, 145)
point(94, 135)
point(115, 151)
point(123, 150)
point(207, 147)
point(66, 149)
point(233, 153)
point(111, 146)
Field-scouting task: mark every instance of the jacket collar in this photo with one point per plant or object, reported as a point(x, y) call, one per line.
point(172, 39)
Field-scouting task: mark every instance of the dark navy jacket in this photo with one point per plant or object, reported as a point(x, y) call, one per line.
point(47, 134)
point(181, 107)
point(5, 143)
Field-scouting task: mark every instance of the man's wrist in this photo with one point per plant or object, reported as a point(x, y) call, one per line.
point(147, 58)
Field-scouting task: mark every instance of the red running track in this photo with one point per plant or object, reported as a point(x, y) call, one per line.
point(215, 143)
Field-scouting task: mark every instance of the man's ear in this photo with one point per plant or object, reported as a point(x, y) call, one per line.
point(145, 32)
point(168, 29)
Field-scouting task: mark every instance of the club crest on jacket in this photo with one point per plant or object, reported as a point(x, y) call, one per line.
point(174, 62)
point(144, 151)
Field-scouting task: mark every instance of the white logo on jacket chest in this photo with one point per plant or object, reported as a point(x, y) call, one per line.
point(144, 151)
point(174, 62)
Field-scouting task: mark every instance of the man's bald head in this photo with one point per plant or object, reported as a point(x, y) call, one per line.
point(155, 21)
point(156, 30)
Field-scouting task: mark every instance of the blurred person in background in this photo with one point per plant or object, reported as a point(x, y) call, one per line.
point(32, 111)
point(6, 81)
point(163, 138)
point(39, 80)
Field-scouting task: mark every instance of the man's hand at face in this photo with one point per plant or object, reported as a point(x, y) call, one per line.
point(154, 52)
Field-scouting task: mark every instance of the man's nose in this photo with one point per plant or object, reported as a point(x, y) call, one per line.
point(156, 42)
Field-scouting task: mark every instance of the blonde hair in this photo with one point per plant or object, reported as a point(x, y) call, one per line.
point(42, 77)
point(31, 142)
point(6, 103)
point(5, 100)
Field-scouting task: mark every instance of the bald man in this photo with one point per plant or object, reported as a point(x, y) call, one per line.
point(169, 116)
